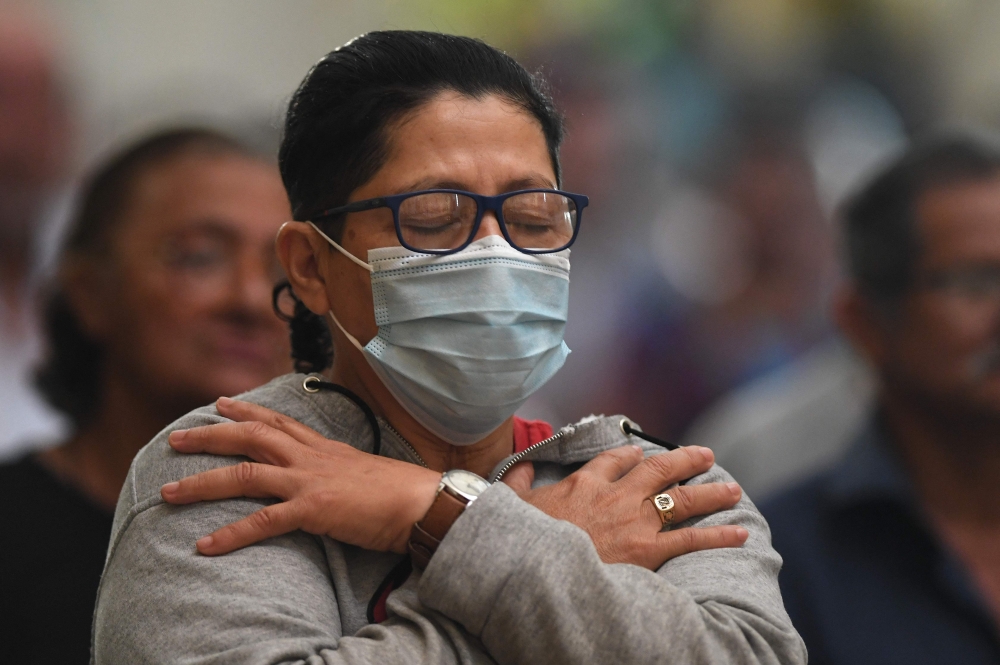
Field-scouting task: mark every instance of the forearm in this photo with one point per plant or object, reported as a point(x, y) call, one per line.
point(531, 586)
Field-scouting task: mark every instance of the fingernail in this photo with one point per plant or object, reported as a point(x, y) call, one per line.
point(177, 435)
point(706, 454)
point(170, 488)
point(639, 448)
point(742, 533)
point(204, 542)
point(225, 401)
point(734, 488)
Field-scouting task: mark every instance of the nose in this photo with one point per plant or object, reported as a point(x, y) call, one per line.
point(489, 226)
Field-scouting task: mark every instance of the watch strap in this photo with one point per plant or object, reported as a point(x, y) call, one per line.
point(428, 533)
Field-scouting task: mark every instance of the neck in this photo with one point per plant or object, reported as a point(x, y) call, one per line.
point(954, 460)
point(97, 457)
point(352, 371)
point(954, 464)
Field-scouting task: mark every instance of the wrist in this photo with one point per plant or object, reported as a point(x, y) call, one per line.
point(458, 489)
point(423, 490)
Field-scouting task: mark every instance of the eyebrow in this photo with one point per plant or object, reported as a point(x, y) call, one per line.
point(532, 181)
point(211, 226)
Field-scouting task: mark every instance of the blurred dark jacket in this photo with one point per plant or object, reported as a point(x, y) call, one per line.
point(865, 578)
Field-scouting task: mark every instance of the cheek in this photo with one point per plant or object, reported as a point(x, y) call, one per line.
point(948, 343)
point(158, 318)
point(350, 294)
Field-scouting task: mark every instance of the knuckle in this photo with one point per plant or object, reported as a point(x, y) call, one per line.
point(200, 433)
point(689, 539)
point(686, 500)
point(245, 473)
point(263, 519)
point(663, 464)
point(255, 428)
point(577, 482)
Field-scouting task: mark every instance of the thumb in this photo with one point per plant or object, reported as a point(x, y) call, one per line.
point(520, 477)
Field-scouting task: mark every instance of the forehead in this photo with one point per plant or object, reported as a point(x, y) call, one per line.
point(960, 223)
point(236, 191)
point(480, 142)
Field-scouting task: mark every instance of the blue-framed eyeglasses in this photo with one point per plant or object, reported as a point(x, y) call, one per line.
point(444, 221)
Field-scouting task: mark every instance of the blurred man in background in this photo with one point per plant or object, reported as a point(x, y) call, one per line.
point(791, 423)
point(34, 156)
point(893, 556)
point(746, 259)
point(162, 303)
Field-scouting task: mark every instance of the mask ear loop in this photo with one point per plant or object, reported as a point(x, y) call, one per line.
point(343, 251)
point(350, 338)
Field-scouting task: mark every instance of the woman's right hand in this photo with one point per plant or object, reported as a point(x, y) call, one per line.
point(326, 487)
point(607, 499)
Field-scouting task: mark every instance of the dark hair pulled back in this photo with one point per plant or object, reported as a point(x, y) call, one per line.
point(71, 374)
point(336, 129)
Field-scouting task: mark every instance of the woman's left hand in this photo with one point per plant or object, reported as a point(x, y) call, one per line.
point(386, 497)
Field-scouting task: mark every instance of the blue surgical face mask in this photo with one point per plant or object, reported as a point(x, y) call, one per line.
point(464, 339)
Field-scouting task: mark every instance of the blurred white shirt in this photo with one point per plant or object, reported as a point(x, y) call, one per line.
point(26, 421)
point(787, 425)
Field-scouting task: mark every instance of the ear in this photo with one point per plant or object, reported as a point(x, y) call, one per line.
point(302, 251)
point(84, 284)
point(863, 324)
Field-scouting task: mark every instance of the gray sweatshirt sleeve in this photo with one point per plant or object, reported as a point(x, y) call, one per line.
point(549, 598)
point(161, 602)
point(274, 602)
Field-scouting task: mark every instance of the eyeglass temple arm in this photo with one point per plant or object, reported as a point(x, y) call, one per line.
point(357, 206)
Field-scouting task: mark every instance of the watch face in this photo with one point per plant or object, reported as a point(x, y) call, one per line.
point(466, 483)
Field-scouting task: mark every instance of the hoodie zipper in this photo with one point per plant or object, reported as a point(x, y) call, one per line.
point(524, 453)
point(506, 467)
point(406, 443)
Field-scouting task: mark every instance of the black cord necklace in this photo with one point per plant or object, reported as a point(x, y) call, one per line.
point(629, 428)
point(314, 384)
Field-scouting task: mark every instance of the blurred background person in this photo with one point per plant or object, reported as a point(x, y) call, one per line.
point(744, 258)
point(35, 154)
point(893, 555)
point(780, 428)
point(162, 303)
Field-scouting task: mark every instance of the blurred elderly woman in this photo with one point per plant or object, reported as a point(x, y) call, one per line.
point(432, 235)
point(162, 303)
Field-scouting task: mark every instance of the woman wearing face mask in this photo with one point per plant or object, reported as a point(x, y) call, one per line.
point(434, 240)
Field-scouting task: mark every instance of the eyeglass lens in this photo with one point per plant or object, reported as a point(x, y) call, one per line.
point(442, 221)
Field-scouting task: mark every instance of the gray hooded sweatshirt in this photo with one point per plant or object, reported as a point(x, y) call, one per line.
point(509, 584)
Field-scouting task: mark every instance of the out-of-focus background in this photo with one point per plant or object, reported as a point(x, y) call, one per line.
point(714, 138)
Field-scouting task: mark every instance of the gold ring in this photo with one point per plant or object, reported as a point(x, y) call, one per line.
point(664, 504)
